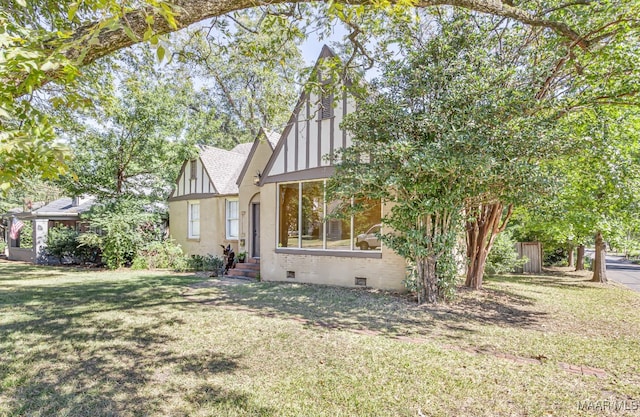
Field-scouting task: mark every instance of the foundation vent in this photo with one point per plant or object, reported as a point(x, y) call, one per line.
point(291, 274)
point(361, 281)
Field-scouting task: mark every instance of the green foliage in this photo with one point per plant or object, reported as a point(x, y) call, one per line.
point(503, 256)
point(555, 257)
point(159, 255)
point(252, 64)
point(130, 142)
point(207, 262)
point(62, 242)
point(126, 226)
point(26, 235)
point(452, 128)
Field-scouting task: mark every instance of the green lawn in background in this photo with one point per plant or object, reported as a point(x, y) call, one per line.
point(77, 342)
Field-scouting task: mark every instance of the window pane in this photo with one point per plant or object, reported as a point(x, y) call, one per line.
point(232, 211)
point(232, 228)
point(312, 214)
point(194, 220)
point(288, 212)
point(232, 219)
point(338, 228)
point(366, 224)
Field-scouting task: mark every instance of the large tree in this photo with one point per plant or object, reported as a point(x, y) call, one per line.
point(131, 141)
point(454, 135)
point(45, 40)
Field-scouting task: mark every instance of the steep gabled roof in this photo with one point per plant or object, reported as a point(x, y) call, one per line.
point(272, 139)
point(223, 166)
point(325, 53)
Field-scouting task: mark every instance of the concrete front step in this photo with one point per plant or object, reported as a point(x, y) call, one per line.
point(238, 272)
point(253, 261)
point(252, 267)
point(243, 278)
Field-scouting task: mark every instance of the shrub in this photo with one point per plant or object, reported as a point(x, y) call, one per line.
point(62, 242)
point(557, 256)
point(503, 256)
point(89, 245)
point(125, 227)
point(205, 263)
point(161, 254)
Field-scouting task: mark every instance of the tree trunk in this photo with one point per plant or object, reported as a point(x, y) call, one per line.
point(600, 262)
point(481, 233)
point(427, 280)
point(570, 257)
point(580, 258)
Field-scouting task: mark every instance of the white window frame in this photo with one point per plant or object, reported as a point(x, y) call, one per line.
point(191, 221)
point(228, 219)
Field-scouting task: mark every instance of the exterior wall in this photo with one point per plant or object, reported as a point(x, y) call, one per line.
point(40, 232)
point(250, 193)
point(186, 185)
point(212, 226)
point(23, 254)
point(309, 138)
point(384, 270)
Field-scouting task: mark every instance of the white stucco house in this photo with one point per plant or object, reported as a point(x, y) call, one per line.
point(267, 200)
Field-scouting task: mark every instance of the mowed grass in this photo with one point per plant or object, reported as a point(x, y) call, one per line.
point(78, 342)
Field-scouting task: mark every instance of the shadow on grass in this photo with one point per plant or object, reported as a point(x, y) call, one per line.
point(552, 278)
point(361, 310)
point(97, 347)
point(14, 271)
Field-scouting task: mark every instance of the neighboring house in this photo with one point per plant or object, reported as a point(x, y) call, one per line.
point(280, 206)
point(30, 241)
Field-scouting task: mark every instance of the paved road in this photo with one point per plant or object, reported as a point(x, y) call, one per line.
point(624, 272)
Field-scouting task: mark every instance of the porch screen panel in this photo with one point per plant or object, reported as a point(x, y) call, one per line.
point(338, 226)
point(312, 231)
point(368, 222)
point(288, 230)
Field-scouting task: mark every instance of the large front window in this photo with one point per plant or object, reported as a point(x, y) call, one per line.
point(232, 219)
point(194, 220)
point(307, 221)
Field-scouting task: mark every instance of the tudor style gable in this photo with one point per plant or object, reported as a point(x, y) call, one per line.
point(312, 134)
point(193, 180)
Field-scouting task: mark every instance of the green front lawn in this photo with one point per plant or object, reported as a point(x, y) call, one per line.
point(134, 343)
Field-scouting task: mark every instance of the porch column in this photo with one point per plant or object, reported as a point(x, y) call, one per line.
point(40, 232)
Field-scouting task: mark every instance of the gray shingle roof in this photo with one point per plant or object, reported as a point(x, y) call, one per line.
point(224, 166)
point(243, 148)
point(272, 137)
point(65, 206)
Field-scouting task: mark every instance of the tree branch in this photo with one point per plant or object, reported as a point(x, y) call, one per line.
point(98, 39)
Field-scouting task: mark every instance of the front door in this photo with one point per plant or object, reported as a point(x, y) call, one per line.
point(255, 230)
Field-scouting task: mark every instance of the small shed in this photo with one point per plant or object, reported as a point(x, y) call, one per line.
point(533, 252)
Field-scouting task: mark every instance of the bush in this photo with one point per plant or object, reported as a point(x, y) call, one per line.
point(159, 255)
point(205, 263)
point(503, 256)
point(89, 245)
point(125, 226)
point(557, 256)
point(62, 242)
